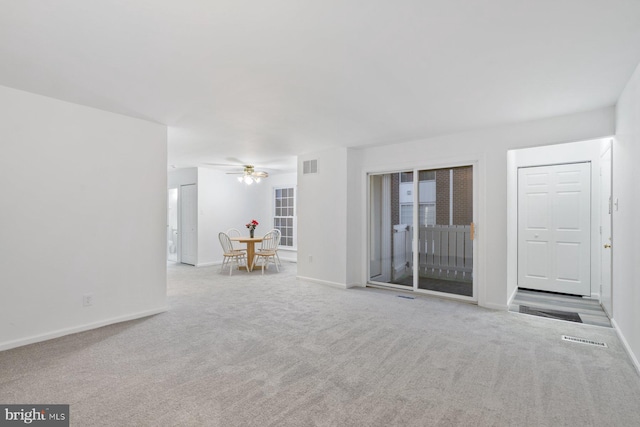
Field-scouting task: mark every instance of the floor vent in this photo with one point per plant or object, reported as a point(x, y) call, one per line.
point(406, 297)
point(583, 341)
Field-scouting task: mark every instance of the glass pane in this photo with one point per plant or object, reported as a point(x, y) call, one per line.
point(445, 248)
point(278, 192)
point(406, 177)
point(427, 175)
point(391, 204)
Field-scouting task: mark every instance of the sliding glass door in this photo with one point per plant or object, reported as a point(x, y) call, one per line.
point(391, 210)
point(436, 212)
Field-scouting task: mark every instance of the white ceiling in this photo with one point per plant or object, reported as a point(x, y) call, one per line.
point(242, 81)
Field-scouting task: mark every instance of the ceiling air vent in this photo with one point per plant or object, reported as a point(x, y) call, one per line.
point(309, 166)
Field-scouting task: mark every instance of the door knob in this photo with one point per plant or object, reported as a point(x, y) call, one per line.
point(607, 246)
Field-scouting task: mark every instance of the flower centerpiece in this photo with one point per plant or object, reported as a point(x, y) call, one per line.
point(252, 226)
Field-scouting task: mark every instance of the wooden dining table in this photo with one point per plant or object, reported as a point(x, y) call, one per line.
point(251, 249)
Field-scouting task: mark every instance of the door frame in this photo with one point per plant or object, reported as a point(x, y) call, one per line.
point(607, 310)
point(477, 217)
point(538, 155)
point(589, 163)
point(181, 228)
point(177, 189)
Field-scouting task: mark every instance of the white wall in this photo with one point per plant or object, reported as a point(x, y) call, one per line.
point(626, 233)
point(84, 212)
point(184, 176)
point(586, 151)
point(322, 218)
point(488, 149)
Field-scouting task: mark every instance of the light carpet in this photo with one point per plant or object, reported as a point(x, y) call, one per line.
point(253, 350)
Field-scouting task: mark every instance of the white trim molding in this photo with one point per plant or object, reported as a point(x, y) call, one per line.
point(626, 345)
point(207, 264)
point(325, 282)
point(82, 328)
point(493, 306)
point(512, 297)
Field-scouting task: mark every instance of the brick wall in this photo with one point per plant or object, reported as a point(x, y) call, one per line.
point(462, 195)
point(395, 198)
point(442, 197)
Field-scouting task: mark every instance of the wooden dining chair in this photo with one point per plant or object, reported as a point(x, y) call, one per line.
point(231, 256)
point(268, 251)
point(234, 232)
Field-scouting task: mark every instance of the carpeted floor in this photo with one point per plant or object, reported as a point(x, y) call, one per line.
point(270, 350)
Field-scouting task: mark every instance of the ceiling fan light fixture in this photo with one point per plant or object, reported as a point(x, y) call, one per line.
point(250, 175)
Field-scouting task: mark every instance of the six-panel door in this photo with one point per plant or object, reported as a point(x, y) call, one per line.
point(554, 223)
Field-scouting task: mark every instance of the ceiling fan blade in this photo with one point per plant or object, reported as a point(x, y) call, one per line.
point(228, 165)
point(248, 170)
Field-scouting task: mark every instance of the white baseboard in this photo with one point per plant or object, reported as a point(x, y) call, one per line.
point(209, 264)
point(212, 263)
point(355, 285)
point(512, 297)
point(493, 306)
point(82, 328)
point(626, 345)
point(323, 282)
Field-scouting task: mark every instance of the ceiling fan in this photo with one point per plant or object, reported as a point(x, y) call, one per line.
point(249, 175)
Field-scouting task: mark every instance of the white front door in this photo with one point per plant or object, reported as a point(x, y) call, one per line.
point(554, 223)
point(605, 232)
point(188, 224)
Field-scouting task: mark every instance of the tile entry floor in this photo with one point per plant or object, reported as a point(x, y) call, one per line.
point(588, 309)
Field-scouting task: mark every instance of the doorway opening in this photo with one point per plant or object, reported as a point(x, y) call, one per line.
point(421, 230)
point(557, 218)
point(172, 225)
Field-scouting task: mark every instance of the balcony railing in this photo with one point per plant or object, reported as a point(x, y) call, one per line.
point(444, 251)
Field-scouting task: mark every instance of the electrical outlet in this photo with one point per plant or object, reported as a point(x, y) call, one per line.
point(87, 300)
